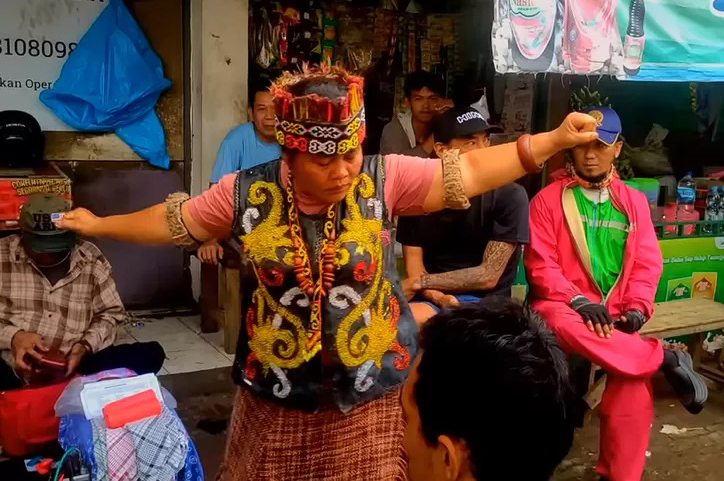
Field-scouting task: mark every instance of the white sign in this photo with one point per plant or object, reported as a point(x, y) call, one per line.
point(36, 37)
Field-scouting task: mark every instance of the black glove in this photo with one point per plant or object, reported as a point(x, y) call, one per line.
point(633, 323)
point(594, 313)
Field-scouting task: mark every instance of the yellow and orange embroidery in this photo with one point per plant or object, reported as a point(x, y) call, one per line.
point(279, 339)
point(262, 243)
point(375, 334)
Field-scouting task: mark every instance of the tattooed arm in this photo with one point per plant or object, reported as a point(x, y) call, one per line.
point(415, 268)
point(481, 278)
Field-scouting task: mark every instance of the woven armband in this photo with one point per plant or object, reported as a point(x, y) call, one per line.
point(452, 178)
point(175, 223)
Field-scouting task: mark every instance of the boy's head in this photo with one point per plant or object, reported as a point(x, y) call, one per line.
point(487, 398)
point(462, 128)
point(423, 91)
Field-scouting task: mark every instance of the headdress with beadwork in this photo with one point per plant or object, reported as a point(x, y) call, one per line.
point(316, 124)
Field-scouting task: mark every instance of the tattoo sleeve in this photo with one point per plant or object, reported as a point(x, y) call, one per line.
point(482, 277)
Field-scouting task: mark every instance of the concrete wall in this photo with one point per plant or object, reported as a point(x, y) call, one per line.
point(219, 79)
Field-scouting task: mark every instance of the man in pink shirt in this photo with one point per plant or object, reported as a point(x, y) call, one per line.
point(327, 336)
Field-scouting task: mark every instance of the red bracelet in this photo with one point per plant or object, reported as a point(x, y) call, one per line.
point(525, 153)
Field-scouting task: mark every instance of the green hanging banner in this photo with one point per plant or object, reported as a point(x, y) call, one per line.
point(662, 40)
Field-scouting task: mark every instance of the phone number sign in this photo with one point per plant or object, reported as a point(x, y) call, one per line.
point(36, 37)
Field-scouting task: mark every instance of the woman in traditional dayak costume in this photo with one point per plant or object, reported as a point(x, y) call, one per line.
point(327, 335)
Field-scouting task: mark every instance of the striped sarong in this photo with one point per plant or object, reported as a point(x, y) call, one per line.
point(267, 442)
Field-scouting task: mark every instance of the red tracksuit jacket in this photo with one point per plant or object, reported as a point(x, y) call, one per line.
point(557, 262)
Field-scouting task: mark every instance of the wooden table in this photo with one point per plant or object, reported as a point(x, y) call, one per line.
point(692, 317)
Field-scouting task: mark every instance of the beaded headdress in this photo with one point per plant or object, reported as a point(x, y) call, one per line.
point(316, 124)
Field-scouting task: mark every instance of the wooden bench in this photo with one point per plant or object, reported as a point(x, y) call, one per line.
point(693, 317)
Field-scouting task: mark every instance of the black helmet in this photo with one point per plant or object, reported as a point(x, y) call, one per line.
point(22, 143)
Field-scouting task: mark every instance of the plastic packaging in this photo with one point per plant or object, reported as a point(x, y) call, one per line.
point(111, 83)
point(69, 402)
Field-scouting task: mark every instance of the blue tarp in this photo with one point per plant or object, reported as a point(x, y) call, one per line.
point(111, 83)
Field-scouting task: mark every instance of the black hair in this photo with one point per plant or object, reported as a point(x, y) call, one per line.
point(421, 79)
point(261, 84)
point(492, 375)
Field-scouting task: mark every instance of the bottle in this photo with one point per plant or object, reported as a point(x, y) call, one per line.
point(720, 205)
point(712, 208)
point(533, 24)
point(686, 193)
point(685, 198)
point(633, 48)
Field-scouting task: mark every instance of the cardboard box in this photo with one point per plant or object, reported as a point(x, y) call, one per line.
point(16, 185)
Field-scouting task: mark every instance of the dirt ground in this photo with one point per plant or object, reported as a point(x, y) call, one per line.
point(696, 453)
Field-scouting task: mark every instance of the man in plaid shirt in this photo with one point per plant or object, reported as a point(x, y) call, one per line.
point(57, 294)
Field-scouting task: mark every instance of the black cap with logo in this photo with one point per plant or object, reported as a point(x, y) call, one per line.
point(461, 122)
point(38, 226)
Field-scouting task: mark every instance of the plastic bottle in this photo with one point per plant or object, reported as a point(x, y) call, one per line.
point(713, 203)
point(633, 49)
point(533, 25)
point(720, 210)
point(686, 193)
point(685, 198)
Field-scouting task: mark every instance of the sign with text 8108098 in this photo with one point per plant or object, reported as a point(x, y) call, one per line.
point(36, 37)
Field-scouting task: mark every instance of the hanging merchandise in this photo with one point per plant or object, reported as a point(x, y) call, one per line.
point(329, 39)
point(666, 40)
point(111, 83)
point(264, 39)
point(305, 39)
point(289, 16)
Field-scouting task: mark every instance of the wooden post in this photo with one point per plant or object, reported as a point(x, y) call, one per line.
point(232, 308)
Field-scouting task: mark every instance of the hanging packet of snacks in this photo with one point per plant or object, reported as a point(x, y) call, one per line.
point(329, 39)
point(289, 16)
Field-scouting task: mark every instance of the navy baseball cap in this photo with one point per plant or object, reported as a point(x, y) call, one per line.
point(609, 124)
point(461, 122)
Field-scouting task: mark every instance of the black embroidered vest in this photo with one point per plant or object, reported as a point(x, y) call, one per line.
point(369, 337)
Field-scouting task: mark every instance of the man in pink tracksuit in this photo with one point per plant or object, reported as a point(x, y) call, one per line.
point(593, 265)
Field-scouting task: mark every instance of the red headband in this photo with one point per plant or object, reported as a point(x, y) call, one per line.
point(316, 124)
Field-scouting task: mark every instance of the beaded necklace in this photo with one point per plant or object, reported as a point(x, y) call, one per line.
point(315, 291)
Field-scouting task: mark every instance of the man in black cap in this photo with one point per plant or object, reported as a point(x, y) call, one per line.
point(58, 301)
point(455, 256)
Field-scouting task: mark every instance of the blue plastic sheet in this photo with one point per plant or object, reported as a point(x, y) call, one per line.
point(111, 83)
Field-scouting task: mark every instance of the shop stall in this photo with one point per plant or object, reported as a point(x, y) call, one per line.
point(657, 65)
point(107, 176)
point(371, 38)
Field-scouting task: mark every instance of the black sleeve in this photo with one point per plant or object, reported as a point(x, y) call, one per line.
point(510, 215)
point(408, 231)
